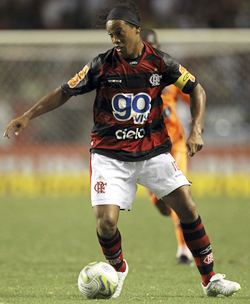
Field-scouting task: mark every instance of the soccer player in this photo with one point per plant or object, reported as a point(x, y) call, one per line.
point(170, 95)
point(130, 144)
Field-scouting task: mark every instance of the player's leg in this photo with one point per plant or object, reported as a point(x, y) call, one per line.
point(160, 205)
point(112, 189)
point(183, 254)
point(179, 152)
point(198, 242)
point(110, 241)
point(163, 178)
point(109, 235)
point(181, 202)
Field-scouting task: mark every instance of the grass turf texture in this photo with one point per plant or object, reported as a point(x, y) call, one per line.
point(45, 242)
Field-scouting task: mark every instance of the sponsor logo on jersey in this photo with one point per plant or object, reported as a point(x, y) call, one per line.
point(114, 80)
point(155, 79)
point(135, 62)
point(128, 106)
point(137, 133)
point(73, 82)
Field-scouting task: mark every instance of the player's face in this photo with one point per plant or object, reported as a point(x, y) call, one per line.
point(124, 36)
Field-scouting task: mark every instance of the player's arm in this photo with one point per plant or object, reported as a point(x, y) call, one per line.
point(47, 103)
point(84, 81)
point(197, 106)
point(187, 83)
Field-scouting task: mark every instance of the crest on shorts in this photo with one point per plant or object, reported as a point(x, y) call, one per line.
point(100, 187)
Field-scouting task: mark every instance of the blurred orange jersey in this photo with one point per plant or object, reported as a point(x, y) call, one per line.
point(170, 95)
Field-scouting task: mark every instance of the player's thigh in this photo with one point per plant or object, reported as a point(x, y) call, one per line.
point(180, 200)
point(161, 175)
point(112, 182)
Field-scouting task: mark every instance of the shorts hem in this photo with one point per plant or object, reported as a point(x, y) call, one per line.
point(121, 206)
point(172, 189)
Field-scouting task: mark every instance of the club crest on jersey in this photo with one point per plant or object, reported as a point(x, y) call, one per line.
point(127, 106)
point(155, 79)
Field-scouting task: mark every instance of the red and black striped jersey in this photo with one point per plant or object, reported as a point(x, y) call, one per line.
point(128, 121)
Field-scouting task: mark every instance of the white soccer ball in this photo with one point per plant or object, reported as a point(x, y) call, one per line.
point(98, 280)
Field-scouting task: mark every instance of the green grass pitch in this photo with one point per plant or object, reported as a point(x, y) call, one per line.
point(45, 242)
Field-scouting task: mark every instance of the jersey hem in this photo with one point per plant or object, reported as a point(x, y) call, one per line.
point(133, 157)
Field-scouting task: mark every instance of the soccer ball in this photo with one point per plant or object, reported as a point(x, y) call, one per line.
point(98, 280)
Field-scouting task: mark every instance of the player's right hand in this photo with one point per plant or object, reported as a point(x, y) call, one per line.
point(16, 126)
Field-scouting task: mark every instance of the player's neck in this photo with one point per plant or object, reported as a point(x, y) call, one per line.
point(137, 52)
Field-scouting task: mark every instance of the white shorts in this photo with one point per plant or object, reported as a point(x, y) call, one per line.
point(114, 182)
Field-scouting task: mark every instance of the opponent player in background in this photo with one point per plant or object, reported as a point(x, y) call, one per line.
point(170, 96)
point(130, 144)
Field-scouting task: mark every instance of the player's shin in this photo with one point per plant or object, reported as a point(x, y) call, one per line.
point(112, 251)
point(199, 244)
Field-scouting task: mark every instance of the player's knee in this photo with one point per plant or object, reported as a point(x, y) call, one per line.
point(190, 209)
point(182, 203)
point(106, 226)
point(163, 208)
point(188, 212)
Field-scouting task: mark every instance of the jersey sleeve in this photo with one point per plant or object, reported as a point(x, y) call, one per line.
point(84, 81)
point(178, 75)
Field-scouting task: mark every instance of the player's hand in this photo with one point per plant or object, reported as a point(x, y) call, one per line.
point(194, 142)
point(16, 126)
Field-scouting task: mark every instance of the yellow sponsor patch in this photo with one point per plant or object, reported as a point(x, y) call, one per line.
point(73, 82)
point(184, 78)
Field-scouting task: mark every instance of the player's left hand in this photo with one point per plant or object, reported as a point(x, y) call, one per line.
point(194, 142)
point(16, 126)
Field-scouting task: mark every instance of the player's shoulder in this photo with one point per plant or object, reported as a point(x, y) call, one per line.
point(155, 53)
point(102, 58)
point(168, 59)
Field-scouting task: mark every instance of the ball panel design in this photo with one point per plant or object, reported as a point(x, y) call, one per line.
point(97, 280)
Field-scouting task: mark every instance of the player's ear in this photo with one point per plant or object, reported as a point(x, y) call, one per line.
point(138, 30)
